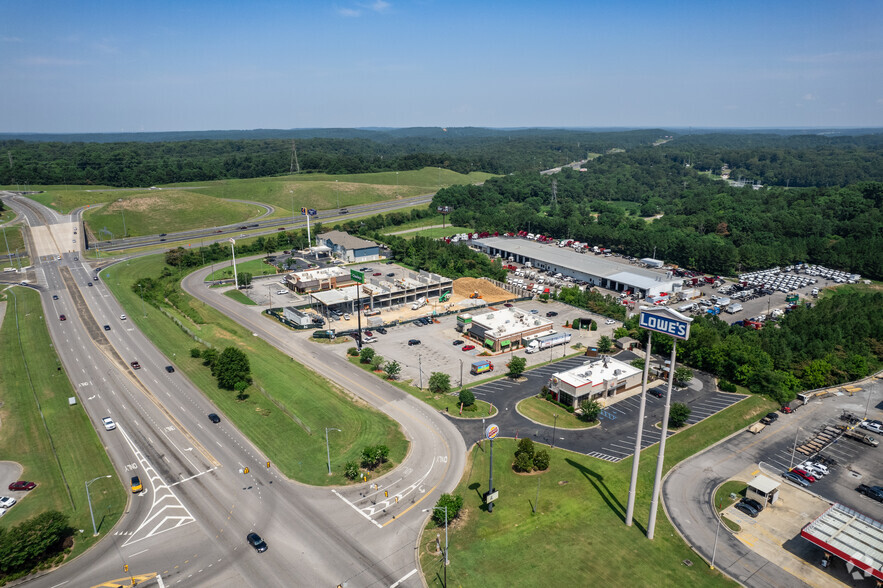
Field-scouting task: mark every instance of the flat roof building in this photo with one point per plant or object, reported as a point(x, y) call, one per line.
point(506, 329)
point(599, 379)
point(853, 537)
point(316, 280)
point(595, 270)
point(379, 293)
point(350, 248)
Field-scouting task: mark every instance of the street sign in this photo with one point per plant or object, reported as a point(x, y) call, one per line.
point(492, 431)
point(303, 211)
point(357, 276)
point(492, 496)
point(666, 321)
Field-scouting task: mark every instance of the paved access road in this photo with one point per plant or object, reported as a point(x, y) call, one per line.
point(688, 489)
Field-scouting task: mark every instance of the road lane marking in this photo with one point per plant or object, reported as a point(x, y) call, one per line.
point(403, 578)
point(357, 509)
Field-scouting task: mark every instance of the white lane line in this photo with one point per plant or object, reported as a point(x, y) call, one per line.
point(403, 578)
point(357, 509)
point(140, 552)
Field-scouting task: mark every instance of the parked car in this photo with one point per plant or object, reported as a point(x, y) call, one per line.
point(136, 485)
point(795, 478)
point(770, 418)
point(804, 474)
point(534, 311)
point(390, 275)
point(658, 392)
point(135, 365)
point(551, 313)
point(507, 305)
point(7, 501)
point(255, 541)
point(377, 274)
point(412, 342)
point(468, 347)
point(752, 503)
point(875, 492)
point(381, 330)
point(109, 425)
point(610, 322)
point(871, 426)
point(747, 509)
point(458, 342)
point(214, 418)
point(21, 485)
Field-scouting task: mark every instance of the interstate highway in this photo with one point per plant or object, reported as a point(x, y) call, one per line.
point(191, 523)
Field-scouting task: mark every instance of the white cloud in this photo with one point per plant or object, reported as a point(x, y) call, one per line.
point(380, 6)
point(51, 61)
point(809, 96)
point(6, 39)
point(348, 12)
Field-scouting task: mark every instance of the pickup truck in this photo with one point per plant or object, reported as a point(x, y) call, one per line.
point(875, 492)
point(757, 428)
point(862, 438)
point(770, 418)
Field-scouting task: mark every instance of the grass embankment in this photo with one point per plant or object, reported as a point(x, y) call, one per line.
point(579, 530)
point(255, 267)
point(283, 389)
point(543, 411)
point(436, 233)
point(722, 498)
point(28, 377)
point(449, 403)
point(12, 241)
point(238, 296)
point(152, 212)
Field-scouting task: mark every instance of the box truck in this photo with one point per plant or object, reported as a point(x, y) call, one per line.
point(481, 367)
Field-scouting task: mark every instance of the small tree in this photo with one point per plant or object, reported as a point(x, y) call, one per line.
point(525, 446)
point(351, 470)
point(591, 409)
point(604, 344)
point(637, 362)
point(453, 503)
point(439, 383)
point(523, 463)
point(374, 455)
point(195, 352)
point(240, 388)
point(352, 351)
point(243, 279)
point(209, 357)
point(678, 415)
point(541, 460)
point(376, 362)
point(392, 369)
point(593, 326)
point(683, 375)
point(517, 366)
point(366, 355)
point(466, 397)
point(232, 367)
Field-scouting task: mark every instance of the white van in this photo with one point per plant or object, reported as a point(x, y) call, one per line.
point(280, 292)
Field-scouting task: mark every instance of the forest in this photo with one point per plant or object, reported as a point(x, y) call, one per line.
point(702, 223)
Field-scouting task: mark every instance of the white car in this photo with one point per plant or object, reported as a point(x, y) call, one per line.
point(814, 468)
point(122, 317)
point(109, 425)
point(280, 292)
point(610, 322)
point(7, 501)
point(872, 426)
point(346, 316)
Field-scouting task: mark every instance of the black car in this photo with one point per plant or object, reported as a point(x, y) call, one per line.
point(875, 492)
point(55, 297)
point(170, 368)
point(390, 275)
point(413, 342)
point(551, 313)
point(747, 509)
point(770, 418)
point(255, 541)
point(459, 342)
point(106, 327)
point(752, 503)
point(89, 284)
point(426, 321)
point(162, 234)
point(214, 418)
point(657, 392)
point(381, 330)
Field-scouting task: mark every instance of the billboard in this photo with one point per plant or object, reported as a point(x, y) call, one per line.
point(666, 321)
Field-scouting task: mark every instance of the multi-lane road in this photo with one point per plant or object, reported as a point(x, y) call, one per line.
point(190, 524)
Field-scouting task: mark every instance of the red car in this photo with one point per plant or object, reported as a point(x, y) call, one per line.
point(468, 347)
point(22, 485)
point(61, 317)
point(136, 365)
point(787, 409)
point(369, 334)
point(377, 274)
point(805, 475)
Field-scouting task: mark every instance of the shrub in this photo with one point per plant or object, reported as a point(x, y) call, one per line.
point(525, 446)
point(453, 503)
point(366, 355)
point(523, 463)
point(726, 386)
point(541, 460)
point(590, 410)
point(374, 455)
point(439, 383)
point(593, 326)
point(195, 352)
point(678, 415)
point(466, 397)
point(352, 351)
point(376, 362)
point(351, 470)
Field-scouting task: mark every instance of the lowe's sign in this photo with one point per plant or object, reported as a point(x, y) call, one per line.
point(666, 321)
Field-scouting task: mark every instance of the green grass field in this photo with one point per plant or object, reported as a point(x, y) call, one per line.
point(152, 212)
point(578, 531)
point(543, 411)
point(429, 221)
point(28, 375)
point(722, 498)
point(436, 233)
point(255, 267)
point(283, 392)
point(238, 296)
point(11, 241)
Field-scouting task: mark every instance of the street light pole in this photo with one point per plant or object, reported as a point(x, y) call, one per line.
point(554, 428)
point(794, 448)
point(142, 300)
point(714, 549)
point(89, 500)
point(461, 374)
point(447, 561)
point(327, 449)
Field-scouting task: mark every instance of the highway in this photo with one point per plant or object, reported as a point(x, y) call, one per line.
point(190, 524)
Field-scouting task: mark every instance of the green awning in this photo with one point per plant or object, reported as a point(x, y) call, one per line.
point(505, 343)
point(489, 342)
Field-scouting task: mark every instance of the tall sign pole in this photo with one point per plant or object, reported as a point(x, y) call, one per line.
point(444, 211)
point(233, 252)
point(667, 322)
point(359, 278)
point(491, 432)
point(630, 509)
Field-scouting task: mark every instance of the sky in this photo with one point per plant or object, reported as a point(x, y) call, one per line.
point(95, 66)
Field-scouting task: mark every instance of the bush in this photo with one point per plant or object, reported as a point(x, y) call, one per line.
point(678, 415)
point(523, 463)
point(590, 410)
point(517, 365)
point(541, 460)
point(352, 351)
point(376, 362)
point(452, 502)
point(466, 397)
point(366, 355)
point(439, 383)
point(195, 352)
point(374, 455)
point(726, 386)
point(594, 326)
point(525, 446)
point(351, 470)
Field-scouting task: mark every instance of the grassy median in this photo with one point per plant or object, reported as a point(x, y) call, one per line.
point(578, 535)
point(288, 405)
point(59, 450)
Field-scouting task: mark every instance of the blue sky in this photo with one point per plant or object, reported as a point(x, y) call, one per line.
point(95, 66)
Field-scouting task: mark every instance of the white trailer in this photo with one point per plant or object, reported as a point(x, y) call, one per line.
point(547, 341)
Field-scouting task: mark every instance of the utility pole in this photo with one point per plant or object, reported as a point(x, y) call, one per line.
point(123, 212)
point(420, 369)
point(233, 253)
point(327, 450)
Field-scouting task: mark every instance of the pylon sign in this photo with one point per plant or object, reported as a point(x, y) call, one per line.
point(666, 321)
point(492, 431)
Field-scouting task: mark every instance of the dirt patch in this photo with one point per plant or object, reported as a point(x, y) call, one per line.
point(490, 293)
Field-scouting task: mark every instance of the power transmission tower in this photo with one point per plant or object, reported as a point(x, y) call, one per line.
point(294, 163)
point(554, 192)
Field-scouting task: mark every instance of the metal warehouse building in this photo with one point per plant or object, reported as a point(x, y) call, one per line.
point(580, 266)
point(350, 248)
